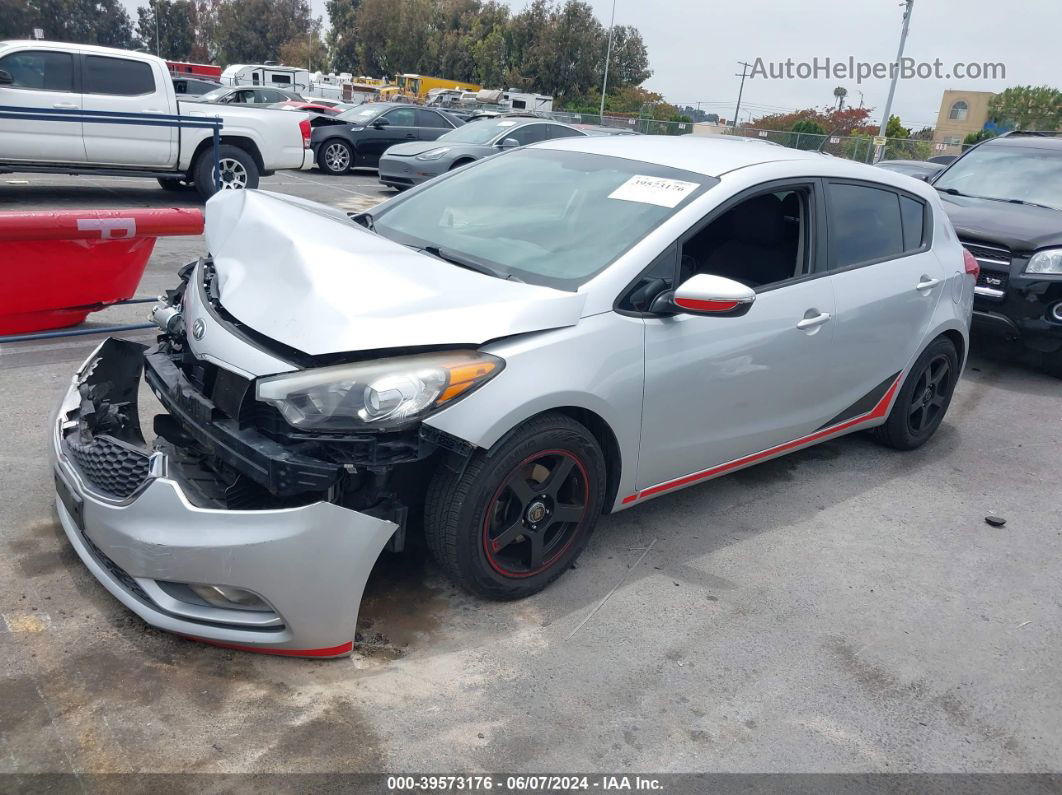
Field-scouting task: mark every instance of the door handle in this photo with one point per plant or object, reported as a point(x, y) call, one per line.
point(65, 106)
point(814, 321)
point(410, 135)
point(926, 283)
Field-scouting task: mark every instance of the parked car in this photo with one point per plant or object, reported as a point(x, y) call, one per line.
point(944, 160)
point(919, 169)
point(1004, 197)
point(357, 138)
point(600, 129)
point(42, 78)
point(565, 330)
point(408, 164)
point(249, 95)
point(307, 106)
point(192, 86)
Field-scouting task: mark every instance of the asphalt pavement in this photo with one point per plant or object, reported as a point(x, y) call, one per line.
point(843, 609)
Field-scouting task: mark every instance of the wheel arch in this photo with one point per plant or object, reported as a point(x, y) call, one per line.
point(461, 161)
point(246, 144)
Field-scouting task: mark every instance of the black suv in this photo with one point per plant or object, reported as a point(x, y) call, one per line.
point(1004, 197)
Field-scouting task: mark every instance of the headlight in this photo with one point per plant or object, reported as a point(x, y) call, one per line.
point(383, 394)
point(433, 154)
point(1047, 261)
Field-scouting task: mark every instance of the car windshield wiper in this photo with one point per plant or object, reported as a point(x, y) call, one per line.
point(465, 262)
point(954, 192)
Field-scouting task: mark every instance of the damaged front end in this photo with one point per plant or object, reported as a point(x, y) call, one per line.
point(233, 526)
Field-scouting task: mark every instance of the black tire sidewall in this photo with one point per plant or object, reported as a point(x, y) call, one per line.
point(321, 156)
point(204, 168)
point(472, 562)
point(897, 424)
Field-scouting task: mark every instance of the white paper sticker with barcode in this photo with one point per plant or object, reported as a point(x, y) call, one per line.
point(654, 190)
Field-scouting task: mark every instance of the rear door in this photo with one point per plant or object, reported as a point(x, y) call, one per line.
point(126, 85)
point(431, 124)
point(42, 81)
point(887, 282)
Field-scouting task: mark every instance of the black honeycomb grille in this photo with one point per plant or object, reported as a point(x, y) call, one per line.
point(110, 466)
point(116, 571)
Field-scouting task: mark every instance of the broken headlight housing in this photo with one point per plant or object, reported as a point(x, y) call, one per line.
point(383, 394)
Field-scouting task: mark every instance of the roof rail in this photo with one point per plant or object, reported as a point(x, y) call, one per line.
point(1040, 133)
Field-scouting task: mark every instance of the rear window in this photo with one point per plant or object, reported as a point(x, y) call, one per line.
point(865, 224)
point(117, 76)
point(40, 69)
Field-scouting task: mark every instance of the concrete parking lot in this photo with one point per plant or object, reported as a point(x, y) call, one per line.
point(845, 608)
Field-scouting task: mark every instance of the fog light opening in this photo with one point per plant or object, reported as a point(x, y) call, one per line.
point(229, 597)
point(1056, 312)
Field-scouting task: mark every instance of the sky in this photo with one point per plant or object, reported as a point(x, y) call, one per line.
point(695, 46)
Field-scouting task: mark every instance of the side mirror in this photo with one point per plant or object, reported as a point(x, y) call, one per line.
point(508, 143)
point(705, 294)
point(379, 124)
point(5, 78)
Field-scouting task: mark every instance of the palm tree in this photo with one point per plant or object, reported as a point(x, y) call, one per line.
point(840, 93)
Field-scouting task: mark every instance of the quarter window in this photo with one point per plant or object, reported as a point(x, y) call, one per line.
point(913, 214)
point(865, 224)
point(41, 70)
point(117, 76)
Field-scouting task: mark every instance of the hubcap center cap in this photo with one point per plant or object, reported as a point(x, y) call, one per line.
point(927, 396)
point(536, 512)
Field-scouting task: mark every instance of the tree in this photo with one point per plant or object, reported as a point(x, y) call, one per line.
point(1027, 108)
point(253, 31)
point(308, 50)
point(807, 134)
point(977, 137)
point(629, 62)
point(103, 22)
point(174, 37)
point(896, 130)
point(342, 36)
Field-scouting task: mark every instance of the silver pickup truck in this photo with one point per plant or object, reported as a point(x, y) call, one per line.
point(80, 109)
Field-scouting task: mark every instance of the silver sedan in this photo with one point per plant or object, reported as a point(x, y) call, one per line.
point(405, 165)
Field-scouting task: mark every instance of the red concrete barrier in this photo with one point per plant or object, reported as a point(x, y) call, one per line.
point(56, 267)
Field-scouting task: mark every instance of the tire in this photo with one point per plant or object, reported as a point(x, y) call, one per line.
point(924, 398)
point(335, 157)
point(502, 493)
point(176, 185)
point(238, 170)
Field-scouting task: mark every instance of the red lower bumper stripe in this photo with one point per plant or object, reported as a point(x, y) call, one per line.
point(331, 651)
point(879, 411)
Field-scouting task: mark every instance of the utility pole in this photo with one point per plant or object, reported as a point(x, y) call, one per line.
point(908, 8)
point(156, 28)
point(741, 90)
point(608, 57)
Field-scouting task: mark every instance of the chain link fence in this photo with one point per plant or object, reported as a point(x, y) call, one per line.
point(631, 124)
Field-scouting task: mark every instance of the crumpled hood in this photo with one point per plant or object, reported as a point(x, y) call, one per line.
point(302, 274)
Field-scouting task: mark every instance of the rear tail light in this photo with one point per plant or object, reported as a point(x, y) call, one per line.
point(970, 262)
point(304, 128)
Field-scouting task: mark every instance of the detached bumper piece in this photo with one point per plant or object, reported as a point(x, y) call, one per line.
point(282, 580)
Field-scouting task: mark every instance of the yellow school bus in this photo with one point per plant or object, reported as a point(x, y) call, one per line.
point(418, 86)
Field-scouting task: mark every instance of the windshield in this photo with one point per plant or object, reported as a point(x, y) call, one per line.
point(478, 132)
point(363, 114)
point(1008, 172)
point(554, 218)
point(217, 93)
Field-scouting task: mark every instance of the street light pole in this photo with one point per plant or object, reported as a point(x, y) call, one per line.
point(608, 57)
point(156, 28)
point(909, 7)
point(741, 90)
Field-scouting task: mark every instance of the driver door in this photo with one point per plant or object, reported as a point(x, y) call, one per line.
point(372, 142)
point(719, 389)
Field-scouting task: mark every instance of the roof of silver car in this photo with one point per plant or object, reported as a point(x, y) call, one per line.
point(711, 155)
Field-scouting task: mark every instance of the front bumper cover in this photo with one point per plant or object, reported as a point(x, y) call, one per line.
point(309, 563)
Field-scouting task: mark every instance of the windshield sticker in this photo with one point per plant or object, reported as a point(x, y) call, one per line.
point(506, 123)
point(654, 190)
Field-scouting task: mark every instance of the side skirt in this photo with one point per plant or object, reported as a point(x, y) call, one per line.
point(844, 422)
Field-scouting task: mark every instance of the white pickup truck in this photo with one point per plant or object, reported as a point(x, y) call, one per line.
point(80, 109)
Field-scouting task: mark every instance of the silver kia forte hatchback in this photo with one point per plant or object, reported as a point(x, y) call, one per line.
point(493, 360)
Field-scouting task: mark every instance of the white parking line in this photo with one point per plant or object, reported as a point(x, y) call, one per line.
point(301, 178)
